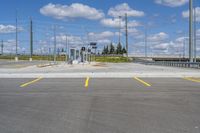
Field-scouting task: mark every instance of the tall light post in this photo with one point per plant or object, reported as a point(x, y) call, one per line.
point(66, 48)
point(31, 39)
point(120, 29)
point(1, 47)
point(195, 36)
point(54, 31)
point(16, 37)
point(191, 31)
point(126, 27)
point(145, 40)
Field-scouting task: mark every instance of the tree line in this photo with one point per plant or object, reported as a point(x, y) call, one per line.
point(111, 49)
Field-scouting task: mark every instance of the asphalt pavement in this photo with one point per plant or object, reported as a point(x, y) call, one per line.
point(105, 105)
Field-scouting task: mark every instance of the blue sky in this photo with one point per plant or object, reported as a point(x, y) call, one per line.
point(96, 20)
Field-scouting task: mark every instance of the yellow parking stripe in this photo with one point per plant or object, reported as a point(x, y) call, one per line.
point(87, 82)
point(31, 82)
point(192, 79)
point(143, 82)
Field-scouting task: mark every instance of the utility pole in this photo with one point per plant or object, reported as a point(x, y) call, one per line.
point(1, 47)
point(184, 42)
point(191, 31)
point(66, 49)
point(195, 36)
point(54, 30)
point(16, 39)
point(119, 29)
point(126, 19)
point(31, 39)
point(145, 41)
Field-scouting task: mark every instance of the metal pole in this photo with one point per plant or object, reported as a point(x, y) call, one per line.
point(1, 47)
point(195, 36)
point(191, 31)
point(119, 29)
point(16, 50)
point(145, 41)
point(126, 18)
point(184, 42)
point(54, 44)
point(31, 39)
point(66, 49)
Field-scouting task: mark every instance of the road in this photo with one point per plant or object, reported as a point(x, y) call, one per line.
point(100, 105)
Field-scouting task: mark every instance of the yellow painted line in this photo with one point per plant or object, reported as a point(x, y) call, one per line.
point(143, 82)
point(192, 79)
point(87, 82)
point(31, 82)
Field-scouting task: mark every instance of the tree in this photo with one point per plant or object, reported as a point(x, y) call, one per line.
point(124, 50)
point(107, 50)
point(104, 49)
point(119, 49)
point(112, 49)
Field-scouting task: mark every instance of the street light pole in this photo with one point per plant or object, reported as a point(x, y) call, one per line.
point(31, 39)
point(145, 41)
point(66, 49)
point(191, 31)
point(16, 37)
point(119, 29)
point(1, 47)
point(126, 18)
point(54, 30)
point(195, 36)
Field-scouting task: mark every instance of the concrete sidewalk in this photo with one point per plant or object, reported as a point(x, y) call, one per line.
point(99, 70)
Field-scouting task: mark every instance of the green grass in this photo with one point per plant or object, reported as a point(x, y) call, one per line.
point(111, 59)
point(35, 57)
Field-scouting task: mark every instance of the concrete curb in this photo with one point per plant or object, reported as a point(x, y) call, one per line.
point(98, 75)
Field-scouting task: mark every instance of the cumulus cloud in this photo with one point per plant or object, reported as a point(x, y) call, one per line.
point(172, 3)
point(113, 23)
point(134, 23)
point(159, 37)
point(75, 10)
point(101, 36)
point(185, 14)
point(121, 9)
point(6, 29)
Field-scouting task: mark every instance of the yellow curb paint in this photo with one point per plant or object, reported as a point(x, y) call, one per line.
point(192, 79)
point(31, 82)
point(87, 82)
point(143, 82)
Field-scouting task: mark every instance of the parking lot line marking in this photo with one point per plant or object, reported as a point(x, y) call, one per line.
point(31, 82)
point(87, 82)
point(192, 79)
point(143, 82)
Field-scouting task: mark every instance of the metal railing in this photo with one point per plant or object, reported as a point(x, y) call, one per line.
point(176, 64)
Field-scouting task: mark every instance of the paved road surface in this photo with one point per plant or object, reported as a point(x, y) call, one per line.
point(169, 105)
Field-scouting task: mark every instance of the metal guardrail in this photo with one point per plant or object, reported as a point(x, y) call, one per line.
point(176, 64)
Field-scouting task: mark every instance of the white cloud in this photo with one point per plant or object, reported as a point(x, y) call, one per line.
point(100, 36)
point(113, 23)
point(121, 9)
point(134, 23)
point(163, 46)
point(172, 3)
point(185, 14)
point(75, 10)
point(159, 37)
point(6, 29)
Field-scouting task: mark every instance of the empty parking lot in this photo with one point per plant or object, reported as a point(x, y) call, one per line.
point(100, 105)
